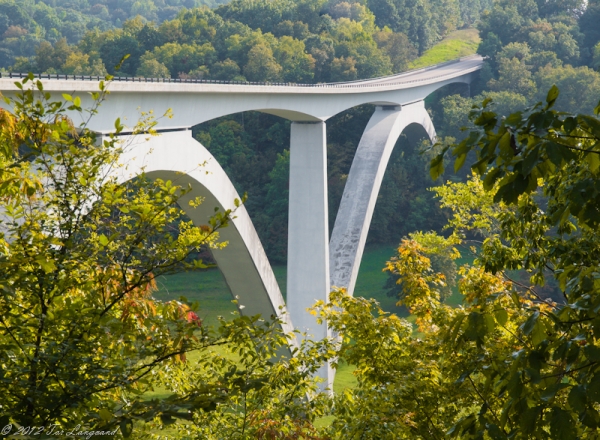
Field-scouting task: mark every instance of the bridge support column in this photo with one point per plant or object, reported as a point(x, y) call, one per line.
point(362, 187)
point(308, 231)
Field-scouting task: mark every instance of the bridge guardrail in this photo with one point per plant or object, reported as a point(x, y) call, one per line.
point(352, 84)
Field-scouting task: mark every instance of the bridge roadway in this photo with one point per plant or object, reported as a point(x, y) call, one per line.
point(315, 263)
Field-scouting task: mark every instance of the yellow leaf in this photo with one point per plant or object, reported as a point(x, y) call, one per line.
point(105, 415)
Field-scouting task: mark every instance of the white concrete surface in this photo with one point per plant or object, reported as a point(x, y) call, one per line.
point(178, 157)
point(362, 187)
point(196, 103)
point(308, 233)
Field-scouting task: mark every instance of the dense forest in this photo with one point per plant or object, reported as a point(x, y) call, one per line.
point(530, 45)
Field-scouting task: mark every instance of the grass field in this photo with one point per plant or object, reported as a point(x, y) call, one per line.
point(456, 44)
point(209, 289)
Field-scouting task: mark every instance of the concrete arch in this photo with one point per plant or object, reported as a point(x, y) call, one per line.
point(178, 157)
point(362, 187)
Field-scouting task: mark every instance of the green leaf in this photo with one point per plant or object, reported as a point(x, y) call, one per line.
point(549, 393)
point(459, 162)
point(67, 97)
point(530, 161)
point(552, 95)
point(539, 335)
point(105, 415)
point(562, 425)
point(47, 265)
point(528, 326)
point(491, 178)
point(554, 153)
point(486, 119)
point(592, 352)
point(501, 316)
point(593, 159)
point(77, 101)
point(436, 168)
point(593, 389)
point(569, 124)
point(578, 398)
point(528, 419)
point(103, 240)
point(126, 426)
point(505, 144)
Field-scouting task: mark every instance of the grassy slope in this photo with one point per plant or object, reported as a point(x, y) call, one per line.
point(456, 44)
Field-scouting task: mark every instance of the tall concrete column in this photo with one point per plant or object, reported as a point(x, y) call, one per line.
point(362, 186)
point(308, 230)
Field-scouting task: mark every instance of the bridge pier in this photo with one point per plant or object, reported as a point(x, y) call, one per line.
point(362, 186)
point(308, 231)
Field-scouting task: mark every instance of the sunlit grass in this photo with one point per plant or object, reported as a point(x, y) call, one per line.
point(456, 44)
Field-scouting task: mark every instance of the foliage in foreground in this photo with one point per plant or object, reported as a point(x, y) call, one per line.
point(510, 362)
point(80, 334)
point(82, 339)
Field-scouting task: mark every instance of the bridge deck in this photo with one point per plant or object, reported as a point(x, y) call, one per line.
point(427, 75)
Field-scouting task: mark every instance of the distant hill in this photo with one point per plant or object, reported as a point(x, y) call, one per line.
point(24, 24)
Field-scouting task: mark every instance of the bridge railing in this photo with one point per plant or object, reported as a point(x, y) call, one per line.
point(370, 82)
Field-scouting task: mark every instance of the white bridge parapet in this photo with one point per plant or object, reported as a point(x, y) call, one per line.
point(175, 155)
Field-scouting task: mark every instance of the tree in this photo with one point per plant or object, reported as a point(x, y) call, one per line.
point(545, 166)
point(261, 65)
point(79, 252)
point(181, 58)
point(398, 47)
point(296, 64)
point(113, 50)
point(150, 68)
point(227, 70)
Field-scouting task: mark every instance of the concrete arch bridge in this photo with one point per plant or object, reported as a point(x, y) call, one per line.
point(316, 262)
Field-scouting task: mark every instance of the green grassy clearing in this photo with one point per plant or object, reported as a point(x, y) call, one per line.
point(455, 45)
point(209, 289)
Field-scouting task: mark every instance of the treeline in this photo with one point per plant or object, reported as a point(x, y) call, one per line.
point(264, 40)
point(24, 24)
point(531, 45)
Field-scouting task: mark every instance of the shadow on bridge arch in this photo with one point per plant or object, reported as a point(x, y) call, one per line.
point(178, 157)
